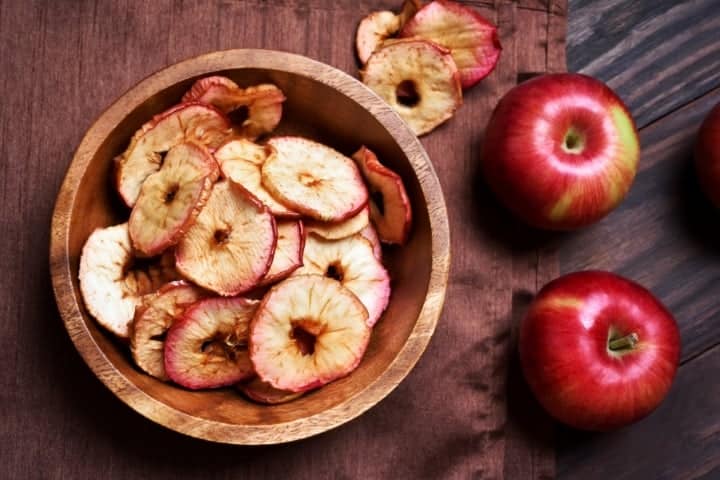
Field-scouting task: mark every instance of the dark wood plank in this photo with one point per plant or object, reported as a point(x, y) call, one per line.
point(658, 55)
point(681, 440)
point(448, 420)
point(665, 234)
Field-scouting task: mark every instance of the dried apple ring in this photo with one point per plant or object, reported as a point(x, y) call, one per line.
point(207, 347)
point(112, 284)
point(308, 331)
point(171, 198)
point(418, 78)
point(159, 312)
point(263, 102)
point(195, 122)
point(230, 247)
point(352, 262)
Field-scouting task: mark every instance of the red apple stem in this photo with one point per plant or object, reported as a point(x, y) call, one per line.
point(627, 342)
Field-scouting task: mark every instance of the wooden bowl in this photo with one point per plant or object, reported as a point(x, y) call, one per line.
point(322, 103)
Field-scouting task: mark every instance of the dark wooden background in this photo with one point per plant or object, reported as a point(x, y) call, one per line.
point(663, 59)
point(661, 56)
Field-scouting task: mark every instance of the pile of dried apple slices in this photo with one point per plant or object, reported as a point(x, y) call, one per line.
point(420, 60)
point(246, 261)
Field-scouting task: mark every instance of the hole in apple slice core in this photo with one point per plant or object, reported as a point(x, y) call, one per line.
point(239, 115)
point(305, 340)
point(407, 94)
point(334, 271)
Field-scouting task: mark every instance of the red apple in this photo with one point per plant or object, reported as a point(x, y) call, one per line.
point(707, 155)
point(598, 350)
point(560, 151)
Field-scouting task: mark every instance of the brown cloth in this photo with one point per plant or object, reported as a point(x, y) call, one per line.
point(455, 416)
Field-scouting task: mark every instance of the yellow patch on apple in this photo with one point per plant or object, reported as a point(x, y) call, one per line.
point(628, 139)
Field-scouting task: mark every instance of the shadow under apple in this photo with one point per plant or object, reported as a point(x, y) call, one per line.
point(694, 212)
point(499, 224)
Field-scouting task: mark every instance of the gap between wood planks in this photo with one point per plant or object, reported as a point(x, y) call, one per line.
point(708, 92)
point(699, 354)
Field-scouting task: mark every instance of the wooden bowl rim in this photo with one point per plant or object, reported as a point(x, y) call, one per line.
point(203, 428)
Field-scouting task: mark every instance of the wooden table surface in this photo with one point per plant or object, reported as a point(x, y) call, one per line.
point(661, 56)
point(663, 59)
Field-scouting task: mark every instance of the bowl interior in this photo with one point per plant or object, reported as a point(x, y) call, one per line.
point(320, 112)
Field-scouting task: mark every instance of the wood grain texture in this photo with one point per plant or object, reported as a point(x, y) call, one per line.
point(656, 55)
point(665, 235)
point(663, 58)
point(680, 441)
point(448, 420)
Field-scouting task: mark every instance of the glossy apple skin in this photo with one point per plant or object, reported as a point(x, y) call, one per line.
point(527, 162)
point(567, 362)
point(707, 156)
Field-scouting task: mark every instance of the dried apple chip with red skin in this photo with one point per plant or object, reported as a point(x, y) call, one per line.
point(215, 90)
point(113, 281)
point(171, 198)
point(390, 209)
point(231, 246)
point(262, 392)
point(193, 121)
point(308, 331)
point(471, 38)
point(352, 262)
point(418, 78)
point(152, 321)
point(264, 110)
point(288, 252)
point(208, 346)
point(263, 102)
point(338, 230)
point(373, 30)
point(370, 234)
point(377, 27)
point(313, 179)
point(241, 161)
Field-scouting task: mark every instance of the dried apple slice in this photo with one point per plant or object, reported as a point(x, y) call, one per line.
point(313, 179)
point(113, 281)
point(263, 102)
point(352, 262)
point(371, 236)
point(338, 230)
point(418, 79)
point(264, 110)
point(309, 330)
point(470, 37)
point(171, 198)
point(208, 346)
point(377, 27)
point(263, 392)
point(195, 122)
point(230, 247)
point(390, 209)
point(215, 90)
point(241, 161)
point(373, 30)
point(152, 321)
point(289, 251)
point(408, 10)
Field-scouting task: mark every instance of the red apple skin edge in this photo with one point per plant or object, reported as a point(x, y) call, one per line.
point(707, 156)
point(560, 151)
point(598, 350)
